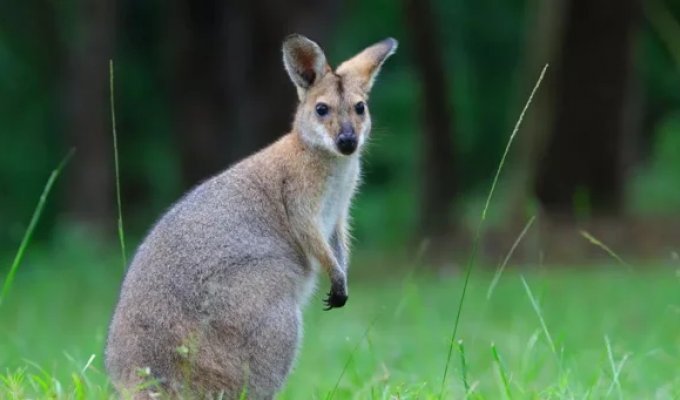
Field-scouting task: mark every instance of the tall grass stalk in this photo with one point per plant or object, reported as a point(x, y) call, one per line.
point(593, 240)
point(31, 225)
point(121, 231)
point(475, 243)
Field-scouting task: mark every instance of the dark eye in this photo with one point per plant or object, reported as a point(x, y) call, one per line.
point(360, 107)
point(321, 109)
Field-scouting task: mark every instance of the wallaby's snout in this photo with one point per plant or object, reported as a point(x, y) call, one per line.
point(347, 141)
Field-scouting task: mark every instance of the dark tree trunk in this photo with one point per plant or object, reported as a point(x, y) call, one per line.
point(439, 181)
point(543, 36)
point(231, 93)
point(584, 157)
point(90, 194)
point(198, 88)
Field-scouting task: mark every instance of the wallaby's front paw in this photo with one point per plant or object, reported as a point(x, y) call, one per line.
point(335, 298)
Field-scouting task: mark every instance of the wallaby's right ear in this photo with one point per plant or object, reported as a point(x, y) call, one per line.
point(304, 60)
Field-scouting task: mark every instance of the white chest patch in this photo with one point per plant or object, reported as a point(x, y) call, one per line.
point(339, 190)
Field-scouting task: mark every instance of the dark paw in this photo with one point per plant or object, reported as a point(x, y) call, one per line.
point(335, 300)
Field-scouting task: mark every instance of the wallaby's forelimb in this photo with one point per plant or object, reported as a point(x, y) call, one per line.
point(339, 248)
point(340, 242)
point(315, 246)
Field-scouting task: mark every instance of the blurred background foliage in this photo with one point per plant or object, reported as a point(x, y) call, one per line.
point(199, 85)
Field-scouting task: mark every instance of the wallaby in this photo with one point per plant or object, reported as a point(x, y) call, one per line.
point(211, 304)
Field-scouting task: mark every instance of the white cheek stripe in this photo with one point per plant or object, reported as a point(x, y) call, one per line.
point(326, 139)
point(365, 132)
point(318, 137)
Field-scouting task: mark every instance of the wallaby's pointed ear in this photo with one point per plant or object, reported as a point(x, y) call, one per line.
point(304, 60)
point(365, 66)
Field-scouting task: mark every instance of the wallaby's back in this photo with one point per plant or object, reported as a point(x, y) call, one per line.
point(219, 265)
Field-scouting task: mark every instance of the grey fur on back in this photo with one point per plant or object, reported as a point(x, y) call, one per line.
point(212, 298)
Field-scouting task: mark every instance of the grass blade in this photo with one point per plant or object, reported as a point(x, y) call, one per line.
point(563, 378)
point(87, 364)
point(537, 309)
point(475, 243)
point(121, 231)
point(616, 370)
point(501, 371)
point(463, 367)
point(351, 356)
point(592, 239)
point(499, 271)
point(31, 226)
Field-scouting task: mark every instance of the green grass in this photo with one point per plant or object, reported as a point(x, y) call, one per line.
point(604, 332)
point(28, 233)
point(615, 333)
point(572, 340)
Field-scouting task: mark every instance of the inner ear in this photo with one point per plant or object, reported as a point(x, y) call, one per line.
point(304, 61)
point(364, 67)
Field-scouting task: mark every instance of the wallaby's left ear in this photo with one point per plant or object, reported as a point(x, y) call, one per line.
point(365, 66)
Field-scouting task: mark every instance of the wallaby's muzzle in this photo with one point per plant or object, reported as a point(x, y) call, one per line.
point(347, 140)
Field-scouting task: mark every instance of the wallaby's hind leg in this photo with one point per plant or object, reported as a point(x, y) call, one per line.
point(256, 360)
point(273, 349)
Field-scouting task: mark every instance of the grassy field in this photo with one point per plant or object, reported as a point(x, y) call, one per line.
point(604, 332)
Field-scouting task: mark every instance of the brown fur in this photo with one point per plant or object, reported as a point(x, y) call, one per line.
point(211, 304)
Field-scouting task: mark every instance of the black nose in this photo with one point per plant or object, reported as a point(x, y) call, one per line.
point(347, 143)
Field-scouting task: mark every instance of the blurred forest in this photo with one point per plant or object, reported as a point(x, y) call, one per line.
point(200, 84)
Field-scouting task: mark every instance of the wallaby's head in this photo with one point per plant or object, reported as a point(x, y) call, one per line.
point(333, 114)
